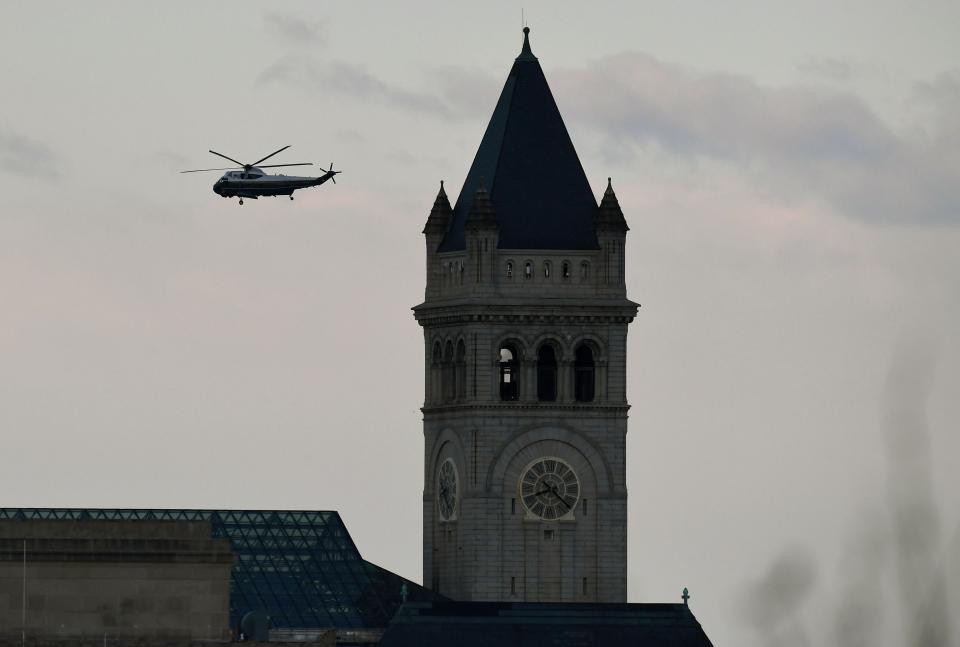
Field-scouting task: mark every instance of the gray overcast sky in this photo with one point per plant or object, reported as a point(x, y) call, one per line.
point(790, 175)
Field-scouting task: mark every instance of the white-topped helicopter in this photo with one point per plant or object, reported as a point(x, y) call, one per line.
point(249, 181)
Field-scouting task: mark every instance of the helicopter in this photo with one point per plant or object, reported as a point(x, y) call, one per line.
point(249, 181)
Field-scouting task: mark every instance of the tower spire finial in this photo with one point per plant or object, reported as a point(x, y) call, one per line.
point(526, 54)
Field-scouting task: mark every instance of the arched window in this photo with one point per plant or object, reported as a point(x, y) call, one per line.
point(584, 270)
point(546, 269)
point(565, 270)
point(461, 371)
point(584, 372)
point(528, 270)
point(509, 373)
point(449, 375)
point(509, 269)
point(546, 374)
point(436, 376)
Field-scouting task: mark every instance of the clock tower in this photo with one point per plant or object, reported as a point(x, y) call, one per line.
point(525, 329)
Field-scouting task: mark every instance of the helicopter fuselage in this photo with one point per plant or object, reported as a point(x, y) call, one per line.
point(254, 183)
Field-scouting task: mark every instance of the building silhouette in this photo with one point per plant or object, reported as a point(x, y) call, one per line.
point(525, 322)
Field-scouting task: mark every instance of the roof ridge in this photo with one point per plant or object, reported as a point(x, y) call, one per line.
point(506, 124)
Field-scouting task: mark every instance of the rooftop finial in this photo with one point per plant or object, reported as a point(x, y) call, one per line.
point(685, 596)
point(526, 54)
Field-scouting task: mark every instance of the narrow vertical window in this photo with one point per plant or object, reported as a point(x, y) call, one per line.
point(584, 374)
point(584, 586)
point(528, 270)
point(449, 374)
point(513, 586)
point(584, 504)
point(513, 506)
point(546, 374)
point(565, 270)
point(584, 270)
point(460, 368)
point(546, 269)
point(509, 374)
point(436, 373)
point(509, 269)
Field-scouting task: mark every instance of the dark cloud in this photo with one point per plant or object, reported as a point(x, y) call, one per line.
point(351, 80)
point(859, 611)
point(796, 143)
point(800, 142)
point(917, 526)
point(772, 604)
point(22, 155)
point(294, 29)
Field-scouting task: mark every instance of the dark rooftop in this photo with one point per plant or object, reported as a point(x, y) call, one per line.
point(504, 624)
point(540, 194)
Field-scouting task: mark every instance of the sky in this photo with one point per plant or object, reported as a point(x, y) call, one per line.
point(791, 176)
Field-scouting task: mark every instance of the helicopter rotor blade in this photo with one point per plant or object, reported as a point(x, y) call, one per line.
point(229, 158)
point(199, 170)
point(269, 156)
point(295, 164)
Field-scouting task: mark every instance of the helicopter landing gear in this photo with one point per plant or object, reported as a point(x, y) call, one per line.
point(241, 201)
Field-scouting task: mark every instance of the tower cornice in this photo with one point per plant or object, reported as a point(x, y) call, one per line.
point(533, 409)
point(522, 311)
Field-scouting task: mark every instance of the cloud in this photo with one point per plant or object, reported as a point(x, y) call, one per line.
point(917, 524)
point(830, 68)
point(859, 610)
point(799, 142)
point(772, 604)
point(456, 92)
point(293, 29)
point(467, 91)
point(22, 155)
point(795, 143)
point(349, 79)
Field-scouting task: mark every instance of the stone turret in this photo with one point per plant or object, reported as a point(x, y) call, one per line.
point(481, 241)
point(434, 229)
point(612, 230)
point(609, 215)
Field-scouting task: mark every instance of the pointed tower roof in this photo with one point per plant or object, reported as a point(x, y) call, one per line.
point(609, 215)
point(534, 178)
point(439, 218)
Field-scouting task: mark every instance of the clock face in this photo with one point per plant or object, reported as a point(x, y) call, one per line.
point(447, 490)
point(549, 488)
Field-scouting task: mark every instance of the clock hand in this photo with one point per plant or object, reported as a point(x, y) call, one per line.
point(553, 491)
